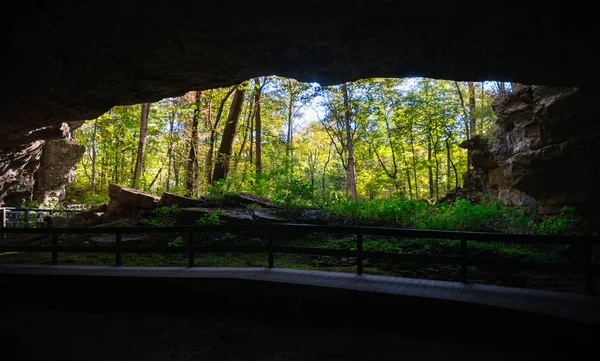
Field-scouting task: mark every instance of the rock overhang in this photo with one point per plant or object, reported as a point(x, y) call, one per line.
point(73, 60)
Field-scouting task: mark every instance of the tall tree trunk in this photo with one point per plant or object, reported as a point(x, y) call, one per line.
point(351, 172)
point(247, 132)
point(437, 173)
point(213, 136)
point(231, 127)
point(191, 181)
point(453, 166)
point(103, 169)
point(430, 171)
point(472, 120)
point(94, 137)
point(290, 104)
point(468, 130)
point(170, 148)
point(116, 178)
point(324, 172)
point(410, 190)
point(448, 169)
point(258, 126)
point(139, 163)
point(414, 166)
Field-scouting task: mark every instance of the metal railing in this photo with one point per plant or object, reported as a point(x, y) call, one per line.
point(583, 265)
point(13, 217)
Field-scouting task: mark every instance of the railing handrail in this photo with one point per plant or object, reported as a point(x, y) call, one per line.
point(310, 228)
point(13, 209)
point(464, 261)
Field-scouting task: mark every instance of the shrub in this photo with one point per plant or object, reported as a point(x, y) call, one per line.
point(210, 219)
point(164, 216)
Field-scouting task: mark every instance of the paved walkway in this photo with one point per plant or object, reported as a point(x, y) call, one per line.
point(571, 306)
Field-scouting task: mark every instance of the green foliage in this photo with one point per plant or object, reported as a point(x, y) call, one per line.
point(220, 189)
point(293, 193)
point(210, 219)
point(568, 222)
point(164, 216)
point(31, 204)
point(176, 242)
point(461, 216)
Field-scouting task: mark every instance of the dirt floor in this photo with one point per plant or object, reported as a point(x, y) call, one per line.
point(47, 334)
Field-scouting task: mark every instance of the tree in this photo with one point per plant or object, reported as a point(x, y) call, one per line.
point(213, 126)
point(170, 144)
point(350, 145)
point(139, 163)
point(191, 182)
point(229, 133)
point(258, 124)
point(94, 156)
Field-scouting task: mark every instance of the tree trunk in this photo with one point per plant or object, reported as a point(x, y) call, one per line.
point(448, 169)
point(414, 166)
point(453, 166)
point(468, 130)
point(249, 116)
point(288, 141)
point(139, 163)
point(155, 178)
point(472, 120)
point(191, 181)
point(94, 137)
point(170, 148)
point(351, 172)
point(231, 127)
point(324, 172)
point(430, 171)
point(213, 136)
point(258, 126)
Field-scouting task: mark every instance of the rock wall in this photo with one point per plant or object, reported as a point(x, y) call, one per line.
point(547, 150)
point(57, 169)
point(37, 171)
point(17, 168)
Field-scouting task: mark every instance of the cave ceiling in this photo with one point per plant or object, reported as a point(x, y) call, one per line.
point(69, 61)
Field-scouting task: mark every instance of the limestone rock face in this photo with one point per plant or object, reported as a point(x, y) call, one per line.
point(57, 169)
point(547, 148)
point(128, 203)
point(17, 168)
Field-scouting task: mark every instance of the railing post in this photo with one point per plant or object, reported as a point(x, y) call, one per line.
point(118, 240)
point(2, 223)
point(270, 248)
point(588, 267)
point(359, 256)
point(191, 249)
point(464, 261)
point(54, 248)
point(26, 217)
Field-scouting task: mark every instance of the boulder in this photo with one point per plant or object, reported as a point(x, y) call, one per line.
point(246, 199)
point(57, 169)
point(264, 216)
point(169, 199)
point(189, 216)
point(64, 222)
point(128, 203)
